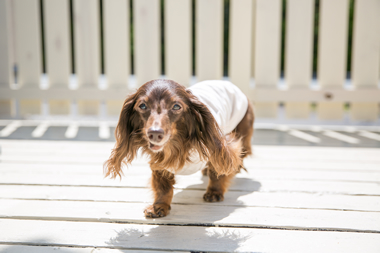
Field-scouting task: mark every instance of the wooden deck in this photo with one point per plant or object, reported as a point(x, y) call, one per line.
point(53, 197)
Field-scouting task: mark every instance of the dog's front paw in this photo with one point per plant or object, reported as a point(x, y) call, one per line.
point(157, 210)
point(213, 196)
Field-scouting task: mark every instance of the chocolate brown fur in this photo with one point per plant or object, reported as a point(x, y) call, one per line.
point(192, 127)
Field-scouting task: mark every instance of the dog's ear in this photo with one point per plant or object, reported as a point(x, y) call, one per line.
point(221, 151)
point(128, 138)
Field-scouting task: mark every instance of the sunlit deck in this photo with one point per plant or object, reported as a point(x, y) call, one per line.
point(53, 197)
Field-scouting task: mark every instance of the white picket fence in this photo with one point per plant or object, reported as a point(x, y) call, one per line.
point(254, 54)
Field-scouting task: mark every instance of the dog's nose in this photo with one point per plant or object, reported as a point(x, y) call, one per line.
point(155, 134)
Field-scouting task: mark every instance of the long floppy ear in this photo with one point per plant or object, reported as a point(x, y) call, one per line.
point(128, 139)
point(222, 152)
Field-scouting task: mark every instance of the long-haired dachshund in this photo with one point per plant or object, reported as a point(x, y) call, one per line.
point(207, 126)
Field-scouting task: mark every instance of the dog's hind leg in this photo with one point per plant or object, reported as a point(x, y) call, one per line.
point(162, 186)
point(244, 130)
point(217, 185)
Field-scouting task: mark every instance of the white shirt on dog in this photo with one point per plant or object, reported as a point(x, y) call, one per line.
point(227, 103)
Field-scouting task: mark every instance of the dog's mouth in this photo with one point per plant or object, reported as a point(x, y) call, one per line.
point(155, 147)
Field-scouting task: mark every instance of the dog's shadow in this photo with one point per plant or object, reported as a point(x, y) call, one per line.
point(199, 220)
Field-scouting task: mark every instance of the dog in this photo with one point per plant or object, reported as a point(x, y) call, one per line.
point(206, 127)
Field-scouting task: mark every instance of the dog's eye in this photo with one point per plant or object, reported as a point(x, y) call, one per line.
point(143, 106)
point(176, 107)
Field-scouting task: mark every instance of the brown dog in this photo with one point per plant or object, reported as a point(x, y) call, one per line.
point(208, 126)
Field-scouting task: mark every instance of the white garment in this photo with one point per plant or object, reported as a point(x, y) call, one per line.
point(227, 103)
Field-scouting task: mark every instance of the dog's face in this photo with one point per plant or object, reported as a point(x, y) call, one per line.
point(160, 105)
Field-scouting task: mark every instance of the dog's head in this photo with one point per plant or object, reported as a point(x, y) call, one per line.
point(162, 117)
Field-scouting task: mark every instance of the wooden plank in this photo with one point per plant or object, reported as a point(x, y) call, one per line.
point(129, 236)
point(87, 49)
point(365, 56)
point(295, 200)
point(200, 214)
point(200, 183)
point(240, 56)
point(332, 50)
point(146, 40)
point(281, 153)
point(142, 169)
point(56, 17)
point(178, 60)
point(209, 39)
point(298, 52)
point(6, 45)
point(267, 51)
point(28, 50)
point(116, 43)
point(11, 248)
point(58, 50)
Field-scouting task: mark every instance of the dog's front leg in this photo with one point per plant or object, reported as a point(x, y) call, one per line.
point(217, 185)
point(162, 185)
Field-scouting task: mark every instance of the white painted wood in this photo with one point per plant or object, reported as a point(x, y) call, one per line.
point(262, 95)
point(88, 107)
point(341, 137)
point(332, 50)
point(116, 43)
point(232, 198)
point(127, 236)
point(365, 56)
point(59, 107)
point(104, 131)
point(72, 131)
point(370, 135)
point(86, 42)
point(146, 40)
point(87, 50)
point(304, 136)
point(114, 107)
point(28, 42)
point(298, 52)
point(240, 37)
point(63, 249)
point(178, 59)
point(267, 51)
point(40, 129)
point(57, 41)
point(9, 129)
point(200, 214)
point(58, 50)
point(141, 169)
point(28, 50)
point(194, 182)
point(209, 39)
point(6, 45)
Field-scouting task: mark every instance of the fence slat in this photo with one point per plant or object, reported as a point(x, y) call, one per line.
point(87, 49)
point(209, 39)
point(146, 40)
point(178, 40)
point(240, 56)
point(28, 50)
point(6, 57)
point(366, 61)
point(267, 50)
point(332, 50)
point(116, 43)
point(57, 41)
point(298, 52)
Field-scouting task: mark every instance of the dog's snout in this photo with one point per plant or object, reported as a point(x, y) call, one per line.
point(156, 135)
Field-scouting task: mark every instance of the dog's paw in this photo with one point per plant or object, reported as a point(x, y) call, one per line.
point(157, 210)
point(213, 196)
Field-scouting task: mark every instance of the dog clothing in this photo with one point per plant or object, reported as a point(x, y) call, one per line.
point(227, 103)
